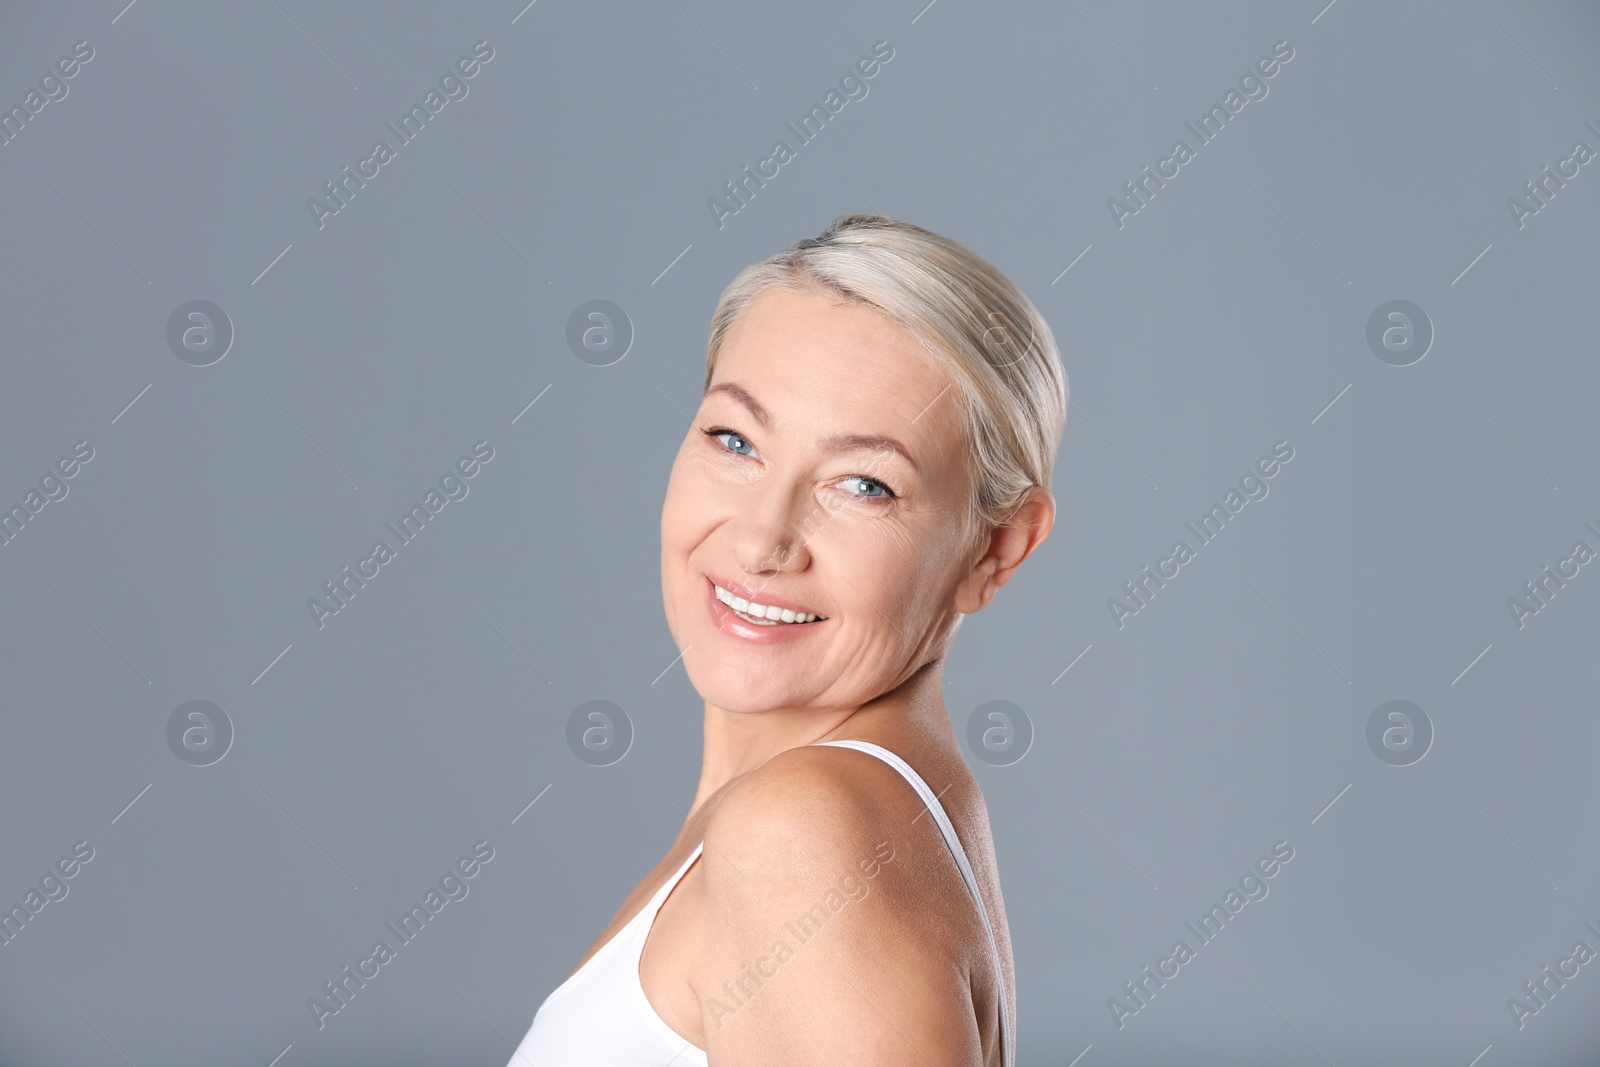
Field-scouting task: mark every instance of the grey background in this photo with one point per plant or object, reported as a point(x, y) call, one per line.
point(427, 315)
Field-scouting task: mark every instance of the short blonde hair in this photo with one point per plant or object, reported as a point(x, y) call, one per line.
point(970, 317)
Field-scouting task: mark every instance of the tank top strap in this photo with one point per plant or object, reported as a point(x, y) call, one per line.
point(948, 830)
point(631, 937)
point(660, 897)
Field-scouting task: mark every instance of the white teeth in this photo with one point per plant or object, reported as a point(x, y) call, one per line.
point(766, 612)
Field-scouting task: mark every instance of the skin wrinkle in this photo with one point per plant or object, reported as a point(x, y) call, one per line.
point(903, 537)
point(894, 579)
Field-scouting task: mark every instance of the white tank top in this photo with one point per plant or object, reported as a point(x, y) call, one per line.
point(600, 1014)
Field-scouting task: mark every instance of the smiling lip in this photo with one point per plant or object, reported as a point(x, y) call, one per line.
point(758, 596)
point(727, 621)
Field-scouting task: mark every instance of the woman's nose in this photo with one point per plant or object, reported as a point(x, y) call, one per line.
point(768, 533)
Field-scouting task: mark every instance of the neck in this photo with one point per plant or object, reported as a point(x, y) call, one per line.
point(738, 743)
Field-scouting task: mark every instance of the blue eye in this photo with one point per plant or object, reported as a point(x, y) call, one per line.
point(885, 492)
point(719, 434)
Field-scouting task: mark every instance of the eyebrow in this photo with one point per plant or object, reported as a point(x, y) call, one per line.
point(832, 444)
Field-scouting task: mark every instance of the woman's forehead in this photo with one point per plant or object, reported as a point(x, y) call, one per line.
point(818, 320)
point(788, 340)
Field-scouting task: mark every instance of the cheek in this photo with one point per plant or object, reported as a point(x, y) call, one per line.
point(894, 575)
point(691, 511)
point(678, 540)
point(684, 500)
point(675, 540)
point(939, 570)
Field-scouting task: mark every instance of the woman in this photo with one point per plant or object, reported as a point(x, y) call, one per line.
point(870, 462)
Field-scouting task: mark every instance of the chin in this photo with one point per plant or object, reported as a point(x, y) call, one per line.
point(724, 685)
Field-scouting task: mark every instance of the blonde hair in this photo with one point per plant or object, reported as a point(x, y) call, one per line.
point(969, 316)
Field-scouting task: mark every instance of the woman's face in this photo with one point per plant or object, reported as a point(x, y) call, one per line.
point(826, 470)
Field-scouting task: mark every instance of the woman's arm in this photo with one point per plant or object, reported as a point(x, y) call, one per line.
point(830, 942)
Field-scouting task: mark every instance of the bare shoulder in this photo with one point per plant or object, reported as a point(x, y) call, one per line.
point(811, 797)
point(823, 938)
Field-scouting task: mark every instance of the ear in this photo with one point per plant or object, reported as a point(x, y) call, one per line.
point(1008, 546)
